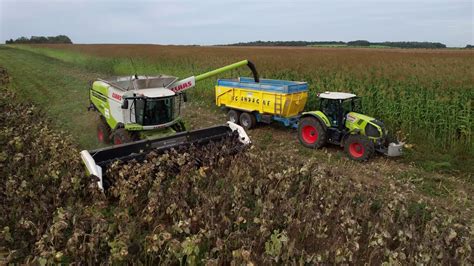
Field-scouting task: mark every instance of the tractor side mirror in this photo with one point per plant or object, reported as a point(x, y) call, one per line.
point(125, 104)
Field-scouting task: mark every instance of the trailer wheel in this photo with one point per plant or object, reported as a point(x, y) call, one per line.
point(359, 147)
point(247, 120)
point(103, 131)
point(311, 133)
point(233, 116)
point(122, 136)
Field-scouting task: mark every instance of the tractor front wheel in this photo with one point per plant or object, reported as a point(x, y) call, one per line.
point(311, 133)
point(122, 136)
point(233, 116)
point(359, 148)
point(247, 120)
point(103, 131)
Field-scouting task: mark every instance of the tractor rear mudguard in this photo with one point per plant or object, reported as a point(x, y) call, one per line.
point(96, 161)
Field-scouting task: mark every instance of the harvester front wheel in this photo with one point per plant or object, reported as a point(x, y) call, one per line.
point(311, 133)
point(122, 136)
point(103, 131)
point(179, 127)
point(247, 120)
point(233, 116)
point(359, 147)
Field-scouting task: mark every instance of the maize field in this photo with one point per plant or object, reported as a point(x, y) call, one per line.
point(271, 203)
point(228, 208)
point(425, 96)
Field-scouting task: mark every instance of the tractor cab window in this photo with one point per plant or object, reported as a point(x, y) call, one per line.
point(337, 109)
point(351, 105)
point(331, 109)
point(347, 106)
point(155, 111)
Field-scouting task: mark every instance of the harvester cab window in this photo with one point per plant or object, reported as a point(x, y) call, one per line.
point(156, 111)
point(139, 106)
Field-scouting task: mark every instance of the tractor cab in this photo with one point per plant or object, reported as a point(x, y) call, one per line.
point(336, 106)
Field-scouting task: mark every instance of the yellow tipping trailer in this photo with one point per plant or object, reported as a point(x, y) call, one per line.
point(250, 102)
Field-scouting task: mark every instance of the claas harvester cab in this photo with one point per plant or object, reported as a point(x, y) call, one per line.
point(339, 122)
point(142, 113)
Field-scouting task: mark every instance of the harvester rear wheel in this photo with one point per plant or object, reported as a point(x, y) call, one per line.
point(122, 136)
point(103, 131)
point(247, 120)
point(311, 133)
point(359, 147)
point(233, 116)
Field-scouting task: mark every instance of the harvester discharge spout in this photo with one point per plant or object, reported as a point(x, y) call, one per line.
point(187, 83)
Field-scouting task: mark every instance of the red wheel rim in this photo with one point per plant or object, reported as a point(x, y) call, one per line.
point(309, 134)
point(356, 149)
point(117, 141)
point(100, 135)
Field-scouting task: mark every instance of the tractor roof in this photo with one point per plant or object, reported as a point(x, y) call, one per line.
point(336, 95)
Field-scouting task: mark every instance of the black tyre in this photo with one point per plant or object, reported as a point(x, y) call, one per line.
point(122, 136)
point(103, 131)
point(179, 127)
point(233, 116)
point(359, 148)
point(311, 133)
point(247, 120)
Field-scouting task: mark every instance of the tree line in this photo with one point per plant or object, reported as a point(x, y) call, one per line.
point(41, 39)
point(286, 43)
point(431, 45)
point(358, 43)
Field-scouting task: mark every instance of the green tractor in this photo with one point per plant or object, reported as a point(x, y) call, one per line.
point(338, 122)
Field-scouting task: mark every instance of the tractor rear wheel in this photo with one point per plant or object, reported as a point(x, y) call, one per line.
point(233, 116)
point(122, 136)
point(311, 133)
point(247, 120)
point(103, 131)
point(359, 147)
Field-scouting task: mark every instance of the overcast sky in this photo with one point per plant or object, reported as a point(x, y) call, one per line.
point(220, 22)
